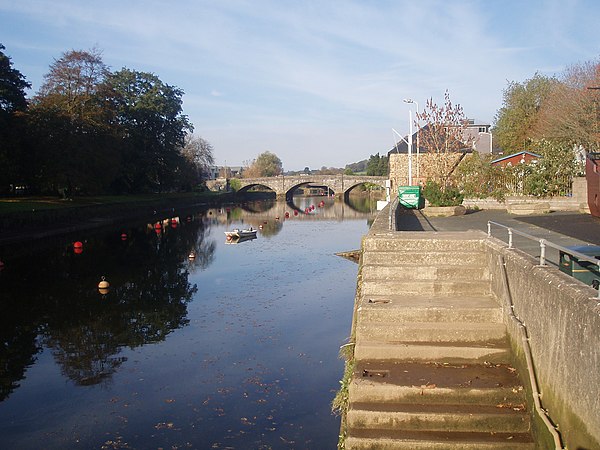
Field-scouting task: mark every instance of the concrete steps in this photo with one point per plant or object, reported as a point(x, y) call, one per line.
point(414, 272)
point(466, 259)
point(432, 332)
point(425, 287)
point(431, 353)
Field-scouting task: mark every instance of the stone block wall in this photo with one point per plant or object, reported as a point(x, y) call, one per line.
point(425, 166)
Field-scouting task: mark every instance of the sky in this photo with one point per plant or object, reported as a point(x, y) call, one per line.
point(320, 83)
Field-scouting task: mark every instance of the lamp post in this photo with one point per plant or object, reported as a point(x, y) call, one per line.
point(409, 144)
point(410, 100)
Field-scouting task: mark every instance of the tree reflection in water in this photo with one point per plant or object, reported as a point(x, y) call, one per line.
point(148, 274)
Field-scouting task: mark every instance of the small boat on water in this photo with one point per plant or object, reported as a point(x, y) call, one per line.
point(249, 233)
point(234, 240)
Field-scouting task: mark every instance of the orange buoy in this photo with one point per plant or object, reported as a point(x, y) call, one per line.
point(157, 225)
point(78, 250)
point(103, 286)
point(77, 244)
point(192, 255)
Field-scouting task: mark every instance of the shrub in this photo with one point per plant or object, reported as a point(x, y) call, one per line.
point(442, 196)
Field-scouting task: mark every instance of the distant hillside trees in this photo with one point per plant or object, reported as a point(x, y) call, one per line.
point(90, 131)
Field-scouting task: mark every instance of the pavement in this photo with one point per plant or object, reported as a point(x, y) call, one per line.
point(564, 228)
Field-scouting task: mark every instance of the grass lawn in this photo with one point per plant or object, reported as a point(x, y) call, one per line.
point(24, 204)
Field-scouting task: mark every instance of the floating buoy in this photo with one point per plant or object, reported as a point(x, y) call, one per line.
point(157, 225)
point(103, 286)
point(295, 213)
point(192, 255)
point(123, 236)
point(260, 227)
point(287, 215)
point(1, 265)
point(277, 218)
point(77, 244)
point(78, 250)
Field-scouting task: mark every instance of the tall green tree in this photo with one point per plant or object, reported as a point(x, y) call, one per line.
point(72, 138)
point(516, 120)
point(12, 104)
point(12, 86)
point(148, 113)
point(377, 165)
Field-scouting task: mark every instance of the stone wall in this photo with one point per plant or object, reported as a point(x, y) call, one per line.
point(424, 166)
point(562, 317)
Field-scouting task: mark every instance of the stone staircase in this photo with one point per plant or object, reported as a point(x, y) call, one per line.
point(432, 361)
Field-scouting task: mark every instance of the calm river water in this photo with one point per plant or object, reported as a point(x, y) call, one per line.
point(234, 348)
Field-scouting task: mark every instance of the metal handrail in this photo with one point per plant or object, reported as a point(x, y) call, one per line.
point(543, 244)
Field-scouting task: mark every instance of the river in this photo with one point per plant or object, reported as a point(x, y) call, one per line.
point(198, 343)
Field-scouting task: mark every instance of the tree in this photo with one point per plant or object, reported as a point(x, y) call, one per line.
point(570, 114)
point(515, 121)
point(72, 138)
point(72, 83)
point(267, 164)
point(445, 127)
point(152, 127)
point(377, 165)
point(444, 133)
point(198, 156)
point(12, 103)
point(12, 86)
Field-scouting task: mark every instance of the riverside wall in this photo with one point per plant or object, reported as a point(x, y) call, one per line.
point(562, 318)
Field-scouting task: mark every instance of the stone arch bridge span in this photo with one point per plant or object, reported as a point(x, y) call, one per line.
point(283, 185)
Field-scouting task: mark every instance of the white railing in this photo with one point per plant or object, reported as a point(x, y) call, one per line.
point(543, 244)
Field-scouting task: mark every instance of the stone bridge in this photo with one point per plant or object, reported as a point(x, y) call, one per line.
point(284, 186)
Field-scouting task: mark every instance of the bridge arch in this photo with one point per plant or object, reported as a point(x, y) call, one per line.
point(284, 185)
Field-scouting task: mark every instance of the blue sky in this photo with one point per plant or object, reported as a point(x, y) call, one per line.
point(319, 83)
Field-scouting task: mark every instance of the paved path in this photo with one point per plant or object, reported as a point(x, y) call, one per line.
point(562, 228)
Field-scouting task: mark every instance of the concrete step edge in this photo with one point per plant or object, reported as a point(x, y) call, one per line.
point(410, 352)
point(368, 391)
point(439, 421)
point(358, 443)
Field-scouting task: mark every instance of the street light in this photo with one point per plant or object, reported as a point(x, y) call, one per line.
point(410, 100)
point(409, 144)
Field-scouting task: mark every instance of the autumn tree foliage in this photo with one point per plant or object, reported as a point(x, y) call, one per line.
point(443, 133)
point(570, 114)
point(445, 126)
point(267, 164)
point(517, 119)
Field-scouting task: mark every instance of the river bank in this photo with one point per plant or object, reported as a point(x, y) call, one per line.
point(26, 219)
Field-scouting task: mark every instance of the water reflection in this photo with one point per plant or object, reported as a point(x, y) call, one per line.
point(235, 347)
point(62, 309)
